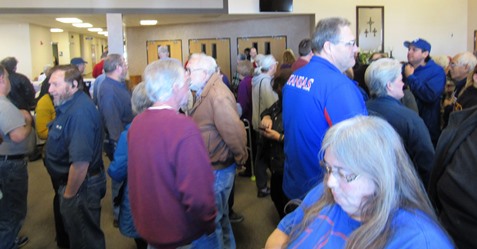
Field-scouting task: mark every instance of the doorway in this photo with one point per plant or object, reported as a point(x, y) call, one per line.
point(174, 46)
point(219, 48)
point(274, 45)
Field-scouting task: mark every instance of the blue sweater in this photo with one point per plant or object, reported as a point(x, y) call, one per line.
point(332, 228)
point(315, 97)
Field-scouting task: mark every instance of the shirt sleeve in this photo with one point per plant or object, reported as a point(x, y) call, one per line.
point(427, 89)
point(343, 103)
point(230, 127)
point(118, 169)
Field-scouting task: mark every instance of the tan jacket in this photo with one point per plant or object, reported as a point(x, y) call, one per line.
point(215, 112)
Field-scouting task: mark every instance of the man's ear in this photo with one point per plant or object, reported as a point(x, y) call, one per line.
point(75, 84)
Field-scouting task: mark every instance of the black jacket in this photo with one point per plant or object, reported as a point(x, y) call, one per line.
point(453, 182)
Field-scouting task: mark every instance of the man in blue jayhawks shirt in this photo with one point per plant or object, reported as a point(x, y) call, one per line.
point(316, 97)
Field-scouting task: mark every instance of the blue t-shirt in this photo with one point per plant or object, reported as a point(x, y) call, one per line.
point(332, 228)
point(315, 97)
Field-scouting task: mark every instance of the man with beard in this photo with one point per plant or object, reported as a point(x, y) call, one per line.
point(215, 112)
point(114, 104)
point(73, 159)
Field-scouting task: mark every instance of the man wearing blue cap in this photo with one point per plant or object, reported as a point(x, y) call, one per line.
point(426, 80)
point(79, 63)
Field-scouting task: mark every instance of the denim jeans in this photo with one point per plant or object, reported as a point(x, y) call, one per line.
point(82, 213)
point(224, 180)
point(13, 204)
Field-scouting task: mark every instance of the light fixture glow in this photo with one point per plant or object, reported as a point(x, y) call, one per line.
point(148, 22)
point(69, 20)
point(103, 32)
point(83, 25)
point(55, 30)
point(95, 29)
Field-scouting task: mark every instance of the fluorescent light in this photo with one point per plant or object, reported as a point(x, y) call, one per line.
point(148, 22)
point(55, 30)
point(103, 32)
point(95, 29)
point(69, 20)
point(83, 25)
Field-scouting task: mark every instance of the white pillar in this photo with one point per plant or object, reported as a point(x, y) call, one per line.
point(115, 33)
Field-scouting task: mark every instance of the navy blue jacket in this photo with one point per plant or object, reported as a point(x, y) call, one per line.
point(410, 127)
point(427, 84)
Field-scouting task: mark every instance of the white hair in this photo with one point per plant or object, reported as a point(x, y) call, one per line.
point(160, 78)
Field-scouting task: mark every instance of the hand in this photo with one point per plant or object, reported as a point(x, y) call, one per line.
point(408, 70)
point(266, 122)
point(271, 134)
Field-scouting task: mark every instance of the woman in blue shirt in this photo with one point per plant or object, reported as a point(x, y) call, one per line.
point(371, 196)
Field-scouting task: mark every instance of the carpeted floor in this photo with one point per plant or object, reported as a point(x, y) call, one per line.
point(260, 215)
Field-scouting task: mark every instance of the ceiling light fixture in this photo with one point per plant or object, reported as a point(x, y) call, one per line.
point(148, 22)
point(95, 29)
point(55, 30)
point(83, 25)
point(69, 20)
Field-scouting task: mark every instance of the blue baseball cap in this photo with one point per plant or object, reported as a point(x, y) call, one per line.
point(419, 43)
point(78, 61)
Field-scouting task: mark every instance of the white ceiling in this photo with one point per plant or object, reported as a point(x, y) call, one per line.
point(130, 20)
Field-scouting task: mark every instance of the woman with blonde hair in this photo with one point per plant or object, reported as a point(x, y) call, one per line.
point(371, 196)
point(288, 58)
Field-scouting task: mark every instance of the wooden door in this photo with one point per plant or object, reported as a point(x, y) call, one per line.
point(175, 49)
point(274, 45)
point(218, 48)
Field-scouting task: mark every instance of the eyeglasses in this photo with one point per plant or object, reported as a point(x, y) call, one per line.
point(348, 43)
point(189, 71)
point(338, 172)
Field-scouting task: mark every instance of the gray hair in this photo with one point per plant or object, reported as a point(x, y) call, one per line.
point(162, 49)
point(139, 99)
point(379, 74)
point(466, 59)
point(205, 62)
point(370, 146)
point(111, 62)
point(161, 76)
point(327, 29)
point(266, 62)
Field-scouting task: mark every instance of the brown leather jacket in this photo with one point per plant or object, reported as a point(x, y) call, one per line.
point(215, 112)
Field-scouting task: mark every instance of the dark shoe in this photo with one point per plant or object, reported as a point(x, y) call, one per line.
point(116, 223)
point(235, 217)
point(264, 192)
point(245, 174)
point(21, 241)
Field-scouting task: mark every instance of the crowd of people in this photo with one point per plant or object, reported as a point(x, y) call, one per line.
point(359, 156)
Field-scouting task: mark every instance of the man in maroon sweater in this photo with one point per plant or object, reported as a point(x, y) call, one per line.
point(169, 172)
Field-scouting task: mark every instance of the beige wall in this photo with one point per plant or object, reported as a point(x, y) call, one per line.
point(16, 42)
point(294, 27)
point(444, 23)
point(41, 52)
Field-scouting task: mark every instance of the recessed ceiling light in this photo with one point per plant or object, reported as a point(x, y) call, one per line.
point(148, 22)
point(83, 25)
point(103, 32)
point(69, 20)
point(95, 29)
point(55, 30)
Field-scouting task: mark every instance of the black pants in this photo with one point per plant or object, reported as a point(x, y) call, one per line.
point(276, 192)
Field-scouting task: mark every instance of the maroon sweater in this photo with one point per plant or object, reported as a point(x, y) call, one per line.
point(170, 179)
